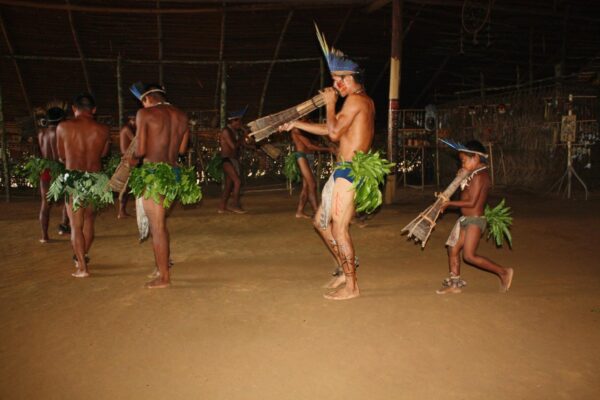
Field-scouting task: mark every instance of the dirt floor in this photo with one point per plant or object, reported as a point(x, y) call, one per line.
point(245, 318)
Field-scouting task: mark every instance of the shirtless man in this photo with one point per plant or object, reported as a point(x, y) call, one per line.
point(231, 139)
point(163, 134)
point(353, 127)
point(48, 150)
point(125, 137)
point(82, 142)
point(304, 145)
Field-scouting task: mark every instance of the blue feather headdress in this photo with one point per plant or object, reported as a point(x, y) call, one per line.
point(140, 90)
point(238, 114)
point(336, 60)
point(461, 148)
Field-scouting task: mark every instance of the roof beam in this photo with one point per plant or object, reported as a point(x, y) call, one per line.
point(16, 65)
point(275, 55)
point(78, 47)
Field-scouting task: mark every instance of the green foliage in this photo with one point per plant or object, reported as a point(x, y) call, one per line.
point(110, 163)
point(369, 171)
point(214, 169)
point(291, 169)
point(164, 183)
point(84, 188)
point(33, 167)
point(499, 223)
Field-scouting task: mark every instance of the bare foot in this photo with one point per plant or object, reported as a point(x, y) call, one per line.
point(44, 240)
point(449, 290)
point(344, 293)
point(506, 280)
point(221, 210)
point(124, 215)
point(80, 273)
point(335, 282)
point(302, 215)
point(158, 283)
point(64, 229)
point(238, 210)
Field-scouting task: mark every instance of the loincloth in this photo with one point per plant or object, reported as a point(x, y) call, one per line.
point(462, 223)
point(83, 188)
point(45, 176)
point(164, 183)
point(36, 169)
point(343, 171)
point(235, 163)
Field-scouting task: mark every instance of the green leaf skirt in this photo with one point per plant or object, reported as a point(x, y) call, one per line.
point(164, 183)
point(84, 189)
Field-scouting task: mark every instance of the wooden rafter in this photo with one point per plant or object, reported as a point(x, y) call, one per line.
point(275, 55)
point(78, 47)
point(16, 65)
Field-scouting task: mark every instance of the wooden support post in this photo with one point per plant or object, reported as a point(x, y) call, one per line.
point(159, 36)
point(5, 167)
point(79, 51)
point(530, 59)
point(394, 95)
point(219, 68)
point(17, 69)
point(120, 91)
point(275, 55)
point(223, 106)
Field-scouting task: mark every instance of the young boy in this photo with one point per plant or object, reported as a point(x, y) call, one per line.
point(470, 226)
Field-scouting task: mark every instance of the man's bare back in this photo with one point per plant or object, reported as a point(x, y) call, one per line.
point(47, 143)
point(162, 132)
point(82, 142)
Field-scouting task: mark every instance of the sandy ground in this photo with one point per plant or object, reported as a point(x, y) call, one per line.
point(245, 318)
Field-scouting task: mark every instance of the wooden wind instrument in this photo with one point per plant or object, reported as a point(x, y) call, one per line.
point(264, 127)
point(421, 227)
point(118, 182)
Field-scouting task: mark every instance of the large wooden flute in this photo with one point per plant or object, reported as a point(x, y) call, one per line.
point(118, 182)
point(264, 127)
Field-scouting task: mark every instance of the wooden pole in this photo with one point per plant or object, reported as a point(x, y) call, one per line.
point(530, 59)
point(159, 35)
point(17, 69)
point(5, 167)
point(120, 91)
point(79, 51)
point(394, 95)
point(223, 107)
point(220, 67)
point(270, 70)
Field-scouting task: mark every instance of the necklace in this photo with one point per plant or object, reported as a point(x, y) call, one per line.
point(358, 91)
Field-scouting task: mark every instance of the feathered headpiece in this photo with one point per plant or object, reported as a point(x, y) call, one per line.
point(140, 90)
point(238, 114)
point(462, 148)
point(336, 60)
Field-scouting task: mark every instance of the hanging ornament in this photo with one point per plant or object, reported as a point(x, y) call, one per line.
point(501, 109)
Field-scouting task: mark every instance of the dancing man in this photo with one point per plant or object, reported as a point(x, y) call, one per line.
point(81, 143)
point(163, 134)
point(231, 139)
point(49, 157)
point(126, 135)
point(353, 127)
point(304, 157)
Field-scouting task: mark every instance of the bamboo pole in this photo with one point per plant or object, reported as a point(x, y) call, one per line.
point(394, 94)
point(17, 68)
point(275, 55)
point(120, 91)
point(150, 62)
point(219, 68)
point(159, 36)
point(223, 107)
point(79, 51)
point(4, 141)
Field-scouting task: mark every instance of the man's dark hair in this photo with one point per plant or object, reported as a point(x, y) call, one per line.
point(156, 95)
point(475, 145)
point(359, 77)
point(54, 115)
point(84, 101)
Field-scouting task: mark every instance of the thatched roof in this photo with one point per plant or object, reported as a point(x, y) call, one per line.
point(44, 43)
